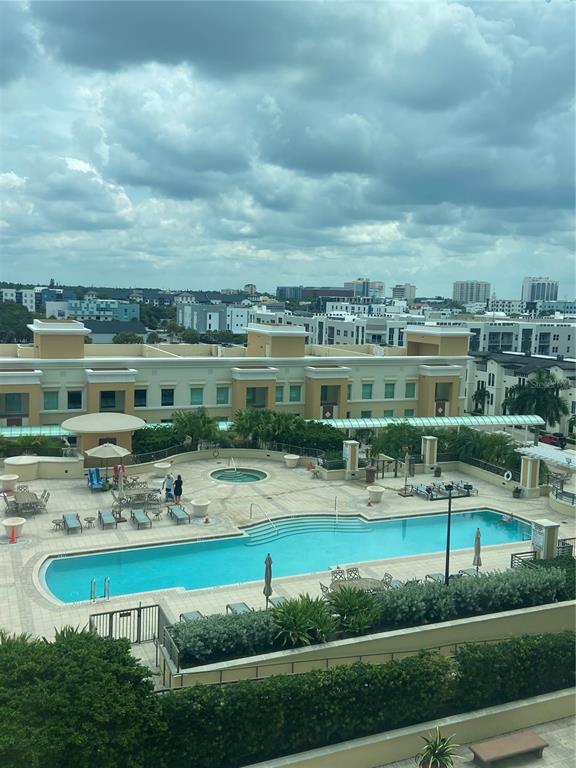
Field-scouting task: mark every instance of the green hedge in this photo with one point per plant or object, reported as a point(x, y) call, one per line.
point(220, 638)
point(235, 724)
point(568, 566)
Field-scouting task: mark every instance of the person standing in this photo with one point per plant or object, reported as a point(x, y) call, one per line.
point(168, 486)
point(178, 489)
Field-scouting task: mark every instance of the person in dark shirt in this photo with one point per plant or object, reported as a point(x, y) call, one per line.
point(178, 489)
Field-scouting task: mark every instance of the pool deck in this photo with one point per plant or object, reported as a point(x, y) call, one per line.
point(26, 607)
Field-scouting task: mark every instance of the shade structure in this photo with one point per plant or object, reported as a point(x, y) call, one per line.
point(107, 451)
point(267, 578)
point(477, 562)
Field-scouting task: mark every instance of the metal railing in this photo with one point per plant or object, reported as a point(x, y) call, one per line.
point(565, 496)
point(566, 547)
point(137, 625)
point(520, 559)
point(494, 468)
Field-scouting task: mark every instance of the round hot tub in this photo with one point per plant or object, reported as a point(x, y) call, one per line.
point(238, 475)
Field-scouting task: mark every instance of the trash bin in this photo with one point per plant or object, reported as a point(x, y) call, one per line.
point(370, 475)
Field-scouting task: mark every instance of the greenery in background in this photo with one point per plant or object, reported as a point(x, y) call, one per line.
point(305, 620)
point(262, 426)
point(245, 722)
point(31, 445)
point(127, 337)
point(14, 319)
point(80, 700)
point(541, 394)
point(492, 447)
point(194, 426)
point(153, 439)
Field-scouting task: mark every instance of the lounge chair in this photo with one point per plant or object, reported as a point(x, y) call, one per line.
point(469, 572)
point(396, 584)
point(106, 517)
point(437, 577)
point(179, 514)
point(71, 522)
point(238, 608)
point(140, 518)
point(191, 616)
point(95, 482)
point(275, 602)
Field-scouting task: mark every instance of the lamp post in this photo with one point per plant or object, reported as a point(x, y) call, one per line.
point(448, 487)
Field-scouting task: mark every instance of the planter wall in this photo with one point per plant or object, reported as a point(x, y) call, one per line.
point(404, 743)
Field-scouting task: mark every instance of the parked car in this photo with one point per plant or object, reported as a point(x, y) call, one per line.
point(554, 438)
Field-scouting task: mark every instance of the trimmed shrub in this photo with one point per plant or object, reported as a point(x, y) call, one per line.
point(219, 637)
point(568, 566)
point(247, 722)
point(515, 669)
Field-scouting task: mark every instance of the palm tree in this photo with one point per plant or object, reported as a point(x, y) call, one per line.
point(540, 395)
point(479, 399)
point(196, 425)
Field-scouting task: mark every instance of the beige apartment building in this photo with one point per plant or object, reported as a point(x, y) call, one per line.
point(59, 376)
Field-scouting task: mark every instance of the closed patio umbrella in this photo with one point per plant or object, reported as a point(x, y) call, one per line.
point(267, 578)
point(108, 451)
point(477, 562)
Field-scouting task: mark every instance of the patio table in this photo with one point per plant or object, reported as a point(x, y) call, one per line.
point(364, 584)
point(26, 500)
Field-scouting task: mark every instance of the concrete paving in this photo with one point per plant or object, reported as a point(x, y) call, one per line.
point(28, 607)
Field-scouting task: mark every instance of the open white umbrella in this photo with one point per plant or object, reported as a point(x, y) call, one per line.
point(108, 451)
point(477, 562)
point(267, 578)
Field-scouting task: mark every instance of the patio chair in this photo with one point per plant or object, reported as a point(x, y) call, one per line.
point(396, 584)
point(179, 514)
point(140, 519)
point(71, 522)
point(43, 501)
point(325, 590)
point(106, 517)
point(386, 579)
point(338, 574)
point(95, 482)
point(275, 602)
point(191, 616)
point(352, 573)
point(237, 608)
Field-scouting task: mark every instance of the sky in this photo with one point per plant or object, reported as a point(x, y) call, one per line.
point(190, 145)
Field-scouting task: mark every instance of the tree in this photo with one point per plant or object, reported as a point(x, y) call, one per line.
point(14, 319)
point(80, 700)
point(189, 336)
point(479, 399)
point(196, 425)
point(396, 440)
point(153, 338)
point(127, 338)
point(540, 395)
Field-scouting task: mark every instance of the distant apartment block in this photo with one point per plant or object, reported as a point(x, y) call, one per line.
point(405, 291)
point(204, 318)
point(93, 309)
point(468, 291)
point(539, 289)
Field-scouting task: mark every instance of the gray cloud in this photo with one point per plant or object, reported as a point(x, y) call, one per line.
point(288, 142)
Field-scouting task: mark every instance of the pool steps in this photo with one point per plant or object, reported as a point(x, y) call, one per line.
point(264, 532)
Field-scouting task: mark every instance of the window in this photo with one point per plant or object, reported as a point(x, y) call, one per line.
point(107, 400)
point(349, 393)
point(389, 391)
point(295, 393)
point(140, 398)
point(388, 414)
point(490, 379)
point(166, 396)
point(74, 399)
point(442, 391)
point(196, 396)
point(365, 414)
point(408, 412)
point(366, 391)
point(410, 390)
point(222, 395)
point(50, 401)
point(279, 397)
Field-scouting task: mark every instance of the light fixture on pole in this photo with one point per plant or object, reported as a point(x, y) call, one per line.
point(449, 488)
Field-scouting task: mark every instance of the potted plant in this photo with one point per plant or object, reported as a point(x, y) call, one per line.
point(438, 752)
point(437, 471)
point(517, 492)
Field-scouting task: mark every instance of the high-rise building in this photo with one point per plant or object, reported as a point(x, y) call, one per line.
point(539, 289)
point(405, 291)
point(470, 291)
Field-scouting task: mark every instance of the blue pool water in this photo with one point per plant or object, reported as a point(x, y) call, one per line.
point(194, 565)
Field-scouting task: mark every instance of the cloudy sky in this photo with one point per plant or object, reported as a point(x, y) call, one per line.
point(209, 144)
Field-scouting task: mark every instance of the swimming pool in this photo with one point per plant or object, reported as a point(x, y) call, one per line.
point(194, 565)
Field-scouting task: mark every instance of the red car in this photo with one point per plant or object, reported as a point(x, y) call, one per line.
point(554, 438)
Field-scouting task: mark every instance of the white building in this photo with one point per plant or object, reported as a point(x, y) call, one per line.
point(405, 291)
point(539, 289)
point(8, 294)
point(466, 291)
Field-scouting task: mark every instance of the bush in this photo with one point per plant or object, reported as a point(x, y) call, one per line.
point(218, 637)
point(306, 620)
point(515, 669)
point(239, 723)
point(247, 722)
point(568, 566)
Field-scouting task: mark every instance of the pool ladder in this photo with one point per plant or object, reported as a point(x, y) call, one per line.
point(266, 515)
point(106, 594)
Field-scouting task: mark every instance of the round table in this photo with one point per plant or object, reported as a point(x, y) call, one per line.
point(9, 482)
point(13, 526)
point(89, 522)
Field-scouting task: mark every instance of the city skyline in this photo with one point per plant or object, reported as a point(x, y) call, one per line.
point(212, 144)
